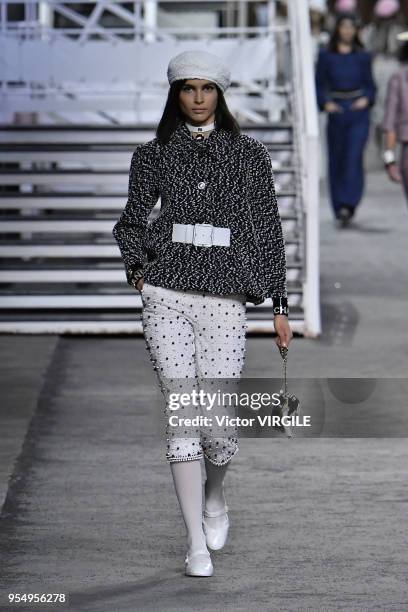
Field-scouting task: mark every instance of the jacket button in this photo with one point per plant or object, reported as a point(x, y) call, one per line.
point(201, 185)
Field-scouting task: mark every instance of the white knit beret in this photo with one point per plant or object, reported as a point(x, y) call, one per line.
point(199, 65)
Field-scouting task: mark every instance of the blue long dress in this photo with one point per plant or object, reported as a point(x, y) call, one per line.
point(347, 132)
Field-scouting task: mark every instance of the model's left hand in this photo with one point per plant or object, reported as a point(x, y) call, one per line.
point(283, 330)
point(394, 173)
point(360, 103)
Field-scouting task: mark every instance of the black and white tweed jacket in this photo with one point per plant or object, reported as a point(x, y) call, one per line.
point(239, 193)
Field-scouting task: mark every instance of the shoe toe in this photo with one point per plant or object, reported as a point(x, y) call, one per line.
point(199, 564)
point(216, 536)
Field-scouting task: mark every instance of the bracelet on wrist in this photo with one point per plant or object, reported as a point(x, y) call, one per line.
point(389, 157)
point(280, 306)
point(135, 277)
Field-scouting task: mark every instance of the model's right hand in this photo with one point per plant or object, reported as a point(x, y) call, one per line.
point(394, 173)
point(332, 107)
point(140, 284)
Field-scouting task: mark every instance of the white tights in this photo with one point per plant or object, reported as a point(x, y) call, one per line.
point(188, 486)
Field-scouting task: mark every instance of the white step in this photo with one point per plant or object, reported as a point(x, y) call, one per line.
point(58, 177)
point(101, 301)
point(60, 250)
point(75, 135)
point(28, 201)
point(61, 226)
point(90, 158)
point(91, 275)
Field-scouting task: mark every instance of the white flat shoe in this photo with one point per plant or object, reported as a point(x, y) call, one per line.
point(216, 536)
point(199, 563)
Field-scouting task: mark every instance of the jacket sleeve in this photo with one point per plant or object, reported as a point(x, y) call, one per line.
point(268, 228)
point(143, 192)
point(321, 80)
point(389, 122)
point(369, 86)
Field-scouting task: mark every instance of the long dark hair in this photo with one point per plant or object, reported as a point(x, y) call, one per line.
point(172, 115)
point(357, 44)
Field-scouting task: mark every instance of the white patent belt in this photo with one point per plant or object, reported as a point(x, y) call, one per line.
point(201, 234)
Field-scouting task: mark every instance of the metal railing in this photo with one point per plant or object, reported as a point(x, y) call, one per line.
point(111, 61)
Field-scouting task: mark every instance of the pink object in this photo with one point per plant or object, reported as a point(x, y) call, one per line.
point(345, 6)
point(386, 8)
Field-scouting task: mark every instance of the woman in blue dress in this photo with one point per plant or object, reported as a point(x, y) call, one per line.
point(346, 91)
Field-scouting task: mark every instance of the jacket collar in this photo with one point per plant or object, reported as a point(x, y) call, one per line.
point(214, 141)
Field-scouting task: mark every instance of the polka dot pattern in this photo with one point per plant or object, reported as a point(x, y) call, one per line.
point(196, 340)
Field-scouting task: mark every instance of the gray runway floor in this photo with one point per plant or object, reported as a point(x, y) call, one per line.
point(88, 504)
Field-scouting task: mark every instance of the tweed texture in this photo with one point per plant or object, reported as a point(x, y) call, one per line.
point(239, 193)
point(197, 64)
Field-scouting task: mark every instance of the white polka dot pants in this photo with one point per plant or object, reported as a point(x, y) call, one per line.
point(193, 338)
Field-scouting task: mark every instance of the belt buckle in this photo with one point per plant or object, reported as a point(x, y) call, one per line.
point(199, 235)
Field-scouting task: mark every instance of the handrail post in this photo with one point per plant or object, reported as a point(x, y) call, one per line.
point(306, 117)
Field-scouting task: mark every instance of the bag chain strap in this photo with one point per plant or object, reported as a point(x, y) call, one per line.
point(284, 354)
point(291, 404)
